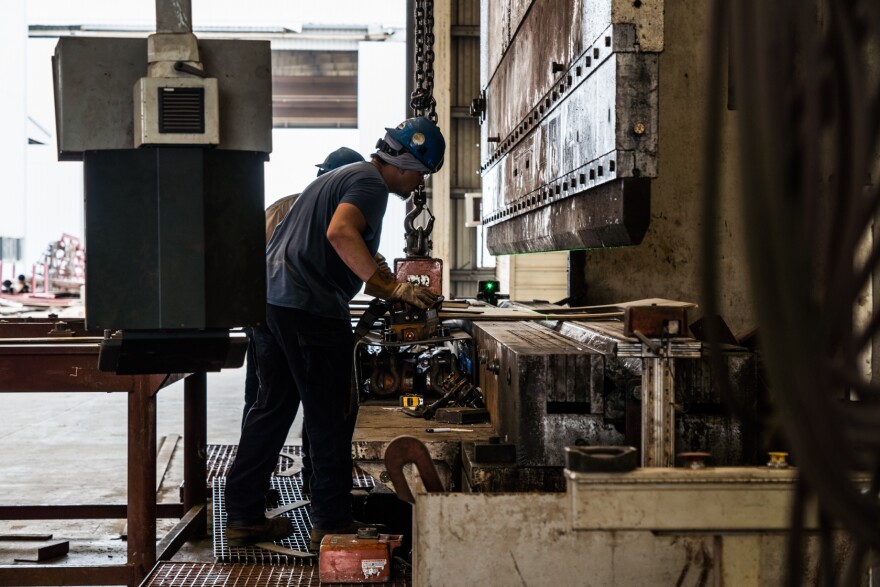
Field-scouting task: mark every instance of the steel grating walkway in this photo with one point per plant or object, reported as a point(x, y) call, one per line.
point(171, 574)
point(220, 457)
point(289, 491)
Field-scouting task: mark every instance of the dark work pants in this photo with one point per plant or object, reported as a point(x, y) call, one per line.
point(251, 390)
point(251, 381)
point(300, 357)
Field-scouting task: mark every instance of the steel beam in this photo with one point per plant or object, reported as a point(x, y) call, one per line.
point(613, 214)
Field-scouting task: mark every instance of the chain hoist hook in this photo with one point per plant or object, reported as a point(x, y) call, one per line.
point(418, 242)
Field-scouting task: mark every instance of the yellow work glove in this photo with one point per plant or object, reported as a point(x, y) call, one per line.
point(385, 287)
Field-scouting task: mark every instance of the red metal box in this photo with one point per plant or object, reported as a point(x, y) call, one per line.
point(349, 558)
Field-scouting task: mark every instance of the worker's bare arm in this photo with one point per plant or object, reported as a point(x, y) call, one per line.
point(344, 234)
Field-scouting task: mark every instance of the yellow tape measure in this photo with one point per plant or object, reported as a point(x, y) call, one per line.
point(411, 401)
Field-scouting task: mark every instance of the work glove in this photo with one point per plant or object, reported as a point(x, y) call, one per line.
point(385, 287)
point(383, 267)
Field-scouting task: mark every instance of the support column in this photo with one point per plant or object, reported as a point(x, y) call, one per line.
point(658, 412)
point(174, 16)
point(142, 477)
point(441, 182)
point(195, 440)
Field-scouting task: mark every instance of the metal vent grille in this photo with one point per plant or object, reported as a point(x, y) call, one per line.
point(182, 110)
point(172, 574)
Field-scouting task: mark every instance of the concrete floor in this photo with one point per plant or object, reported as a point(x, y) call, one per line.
point(71, 448)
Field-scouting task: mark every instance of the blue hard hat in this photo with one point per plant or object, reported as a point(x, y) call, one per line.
point(422, 139)
point(338, 158)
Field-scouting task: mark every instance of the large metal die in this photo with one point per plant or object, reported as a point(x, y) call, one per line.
point(94, 80)
point(672, 403)
point(570, 132)
point(542, 390)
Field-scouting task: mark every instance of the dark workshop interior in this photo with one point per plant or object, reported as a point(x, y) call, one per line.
point(599, 312)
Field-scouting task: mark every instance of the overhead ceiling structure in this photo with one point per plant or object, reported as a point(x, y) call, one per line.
point(314, 67)
point(314, 89)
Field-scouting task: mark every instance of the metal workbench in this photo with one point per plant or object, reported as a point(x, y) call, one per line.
point(45, 356)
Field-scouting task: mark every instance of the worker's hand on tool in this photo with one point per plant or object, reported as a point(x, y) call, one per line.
point(383, 267)
point(386, 287)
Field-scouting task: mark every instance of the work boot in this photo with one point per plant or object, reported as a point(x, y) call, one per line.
point(270, 530)
point(272, 498)
point(317, 535)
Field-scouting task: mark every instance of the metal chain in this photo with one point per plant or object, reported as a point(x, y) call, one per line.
point(422, 99)
point(422, 102)
point(429, 60)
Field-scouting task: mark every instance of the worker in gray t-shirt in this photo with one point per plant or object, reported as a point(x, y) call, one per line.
point(316, 261)
point(274, 215)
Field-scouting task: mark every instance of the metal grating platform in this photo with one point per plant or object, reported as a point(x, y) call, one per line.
point(220, 457)
point(289, 490)
point(360, 480)
point(171, 574)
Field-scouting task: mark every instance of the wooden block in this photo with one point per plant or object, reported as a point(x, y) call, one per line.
point(462, 415)
point(47, 552)
point(25, 537)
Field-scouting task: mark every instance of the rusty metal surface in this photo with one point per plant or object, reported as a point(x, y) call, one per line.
point(405, 450)
point(27, 575)
point(357, 559)
point(502, 18)
point(655, 321)
point(504, 477)
point(43, 328)
point(205, 574)
point(56, 367)
point(658, 413)
point(572, 105)
point(613, 213)
point(702, 420)
point(65, 367)
point(72, 366)
point(427, 272)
